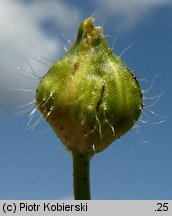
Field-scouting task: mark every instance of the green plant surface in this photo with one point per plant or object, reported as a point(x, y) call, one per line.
point(90, 98)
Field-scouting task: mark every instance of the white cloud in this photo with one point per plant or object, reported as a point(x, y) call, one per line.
point(129, 12)
point(54, 9)
point(21, 34)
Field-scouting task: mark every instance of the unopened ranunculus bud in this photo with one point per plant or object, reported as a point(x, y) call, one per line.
point(89, 97)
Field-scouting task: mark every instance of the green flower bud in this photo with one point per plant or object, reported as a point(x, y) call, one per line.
point(89, 97)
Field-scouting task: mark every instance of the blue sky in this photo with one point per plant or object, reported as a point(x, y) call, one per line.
point(33, 163)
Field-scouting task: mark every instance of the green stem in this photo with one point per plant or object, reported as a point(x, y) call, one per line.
point(81, 179)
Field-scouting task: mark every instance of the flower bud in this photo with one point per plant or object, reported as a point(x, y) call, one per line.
point(89, 97)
